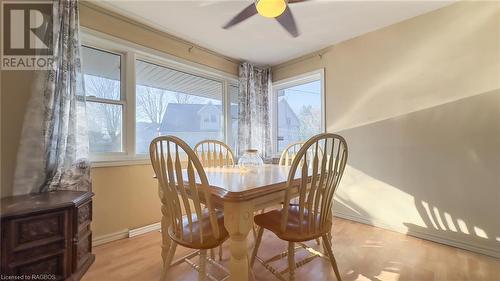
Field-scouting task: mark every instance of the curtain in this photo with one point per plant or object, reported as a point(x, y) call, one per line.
point(254, 127)
point(53, 151)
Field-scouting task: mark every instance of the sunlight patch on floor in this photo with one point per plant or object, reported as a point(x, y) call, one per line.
point(384, 275)
point(372, 244)
point(388, 276)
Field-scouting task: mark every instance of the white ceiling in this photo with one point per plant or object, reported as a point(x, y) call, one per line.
point(263, 41)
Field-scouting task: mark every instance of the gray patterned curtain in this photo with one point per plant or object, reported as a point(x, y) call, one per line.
point(54, 145)
point(254, 127)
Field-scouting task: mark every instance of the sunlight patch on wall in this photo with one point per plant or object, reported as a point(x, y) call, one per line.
point(363, 196)
point(480, 232)
point(360, 191)
point(438, 217)
point(463, 226)
point(449, 222)
point(346, 204)
point(429, 215)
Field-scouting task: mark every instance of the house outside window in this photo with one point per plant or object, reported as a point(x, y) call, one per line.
point(298, 111)
point(171, 102)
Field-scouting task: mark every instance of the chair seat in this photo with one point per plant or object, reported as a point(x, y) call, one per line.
point(272, 221)
point(194, 241)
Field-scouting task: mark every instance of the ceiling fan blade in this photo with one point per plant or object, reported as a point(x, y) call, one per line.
point(296, 1)
point(243, 15)
point(288, 22)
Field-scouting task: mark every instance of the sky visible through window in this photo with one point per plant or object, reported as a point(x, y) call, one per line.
point(299, 113)
point(300, 95)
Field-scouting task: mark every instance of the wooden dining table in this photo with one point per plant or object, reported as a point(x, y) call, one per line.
point(241, 192)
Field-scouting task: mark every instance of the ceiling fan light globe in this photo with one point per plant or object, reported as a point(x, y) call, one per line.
point(270, 8)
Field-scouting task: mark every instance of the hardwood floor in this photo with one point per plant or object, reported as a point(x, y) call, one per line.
point(363, 253)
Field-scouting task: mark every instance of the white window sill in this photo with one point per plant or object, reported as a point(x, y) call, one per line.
point(120, 162)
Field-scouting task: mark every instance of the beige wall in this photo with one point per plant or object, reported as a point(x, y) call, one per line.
point(15, 93)
point(419, 104)
point(126, 197)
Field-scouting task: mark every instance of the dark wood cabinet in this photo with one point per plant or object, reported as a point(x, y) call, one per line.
point(47, 236)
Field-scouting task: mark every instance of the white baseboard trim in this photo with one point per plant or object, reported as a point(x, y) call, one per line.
point(103, 239)
point(144, 229)
point(126, 233)
point(423, 235)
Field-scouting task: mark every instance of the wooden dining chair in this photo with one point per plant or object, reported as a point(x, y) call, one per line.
point(214, 153)
point(287, 156)
point(202, 226)
point(313, 180)
point(289, 153)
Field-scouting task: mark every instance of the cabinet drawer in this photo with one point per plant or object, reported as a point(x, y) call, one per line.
point(39, 251)
point(83, 250)
point(38, 230)
point(47, 268)
point(84, 215)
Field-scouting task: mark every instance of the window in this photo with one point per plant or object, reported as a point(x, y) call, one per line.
point(102, 75)
point(298, 109)
point(135, 94)
point(171, 102)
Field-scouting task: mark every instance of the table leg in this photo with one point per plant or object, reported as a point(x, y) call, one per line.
point(166, 242)
point(238, 219)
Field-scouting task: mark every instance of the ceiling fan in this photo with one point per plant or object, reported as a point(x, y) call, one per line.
point(277, 9)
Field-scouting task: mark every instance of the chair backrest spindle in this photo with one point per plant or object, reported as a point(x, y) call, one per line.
point(214, 153)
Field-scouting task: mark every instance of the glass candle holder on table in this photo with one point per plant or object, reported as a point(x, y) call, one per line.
point(250, 160)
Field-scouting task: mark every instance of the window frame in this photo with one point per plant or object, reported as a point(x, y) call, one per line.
point(122, 102)
point(227, 114)
point(132, 52)
point(293, 81)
